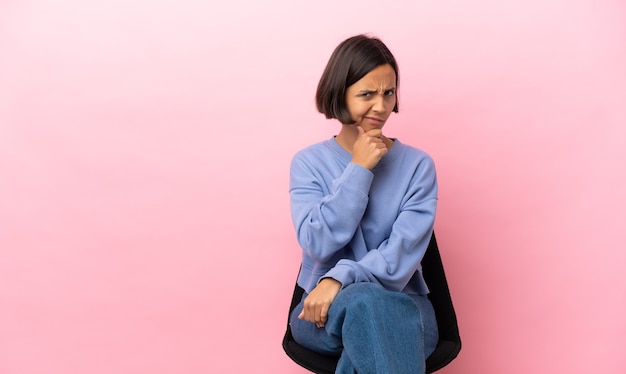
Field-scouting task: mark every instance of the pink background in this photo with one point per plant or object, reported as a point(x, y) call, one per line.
point(144, 154)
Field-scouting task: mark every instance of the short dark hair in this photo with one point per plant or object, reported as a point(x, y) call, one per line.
point(350, 61)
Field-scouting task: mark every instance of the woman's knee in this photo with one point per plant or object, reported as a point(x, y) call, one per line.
point(363, 289)
point(373, 296)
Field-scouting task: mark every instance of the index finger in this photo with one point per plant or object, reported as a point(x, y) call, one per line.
point(377, 133)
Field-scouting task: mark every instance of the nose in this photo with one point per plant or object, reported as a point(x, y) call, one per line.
point(379, 104)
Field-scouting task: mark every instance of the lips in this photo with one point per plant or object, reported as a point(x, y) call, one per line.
point(374, 120)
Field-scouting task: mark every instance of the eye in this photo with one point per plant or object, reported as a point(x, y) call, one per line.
point(366, 94)
point(390, 92)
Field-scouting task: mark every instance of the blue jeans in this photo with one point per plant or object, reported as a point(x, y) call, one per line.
point(372, 330)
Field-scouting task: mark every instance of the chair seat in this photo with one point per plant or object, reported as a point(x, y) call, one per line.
point(445, 352)
point(312, 361)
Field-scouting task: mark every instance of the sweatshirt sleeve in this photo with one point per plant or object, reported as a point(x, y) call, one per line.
point(399, 256)
point(326, 217)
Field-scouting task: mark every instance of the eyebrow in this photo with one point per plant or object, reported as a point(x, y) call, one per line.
point(368, 90)
point(372, 90)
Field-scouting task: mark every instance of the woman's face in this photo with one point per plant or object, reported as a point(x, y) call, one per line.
point(371, 100)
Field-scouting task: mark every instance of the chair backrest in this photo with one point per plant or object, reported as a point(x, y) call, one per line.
point(449, 343)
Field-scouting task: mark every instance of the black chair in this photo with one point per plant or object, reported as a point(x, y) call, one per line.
point(449, 343)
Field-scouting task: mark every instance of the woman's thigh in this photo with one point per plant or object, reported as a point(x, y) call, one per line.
point(429, 323)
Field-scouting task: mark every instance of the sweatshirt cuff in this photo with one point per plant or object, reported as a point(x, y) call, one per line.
point(341, 273)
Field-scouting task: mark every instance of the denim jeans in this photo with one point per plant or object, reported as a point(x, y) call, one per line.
point(372, 330)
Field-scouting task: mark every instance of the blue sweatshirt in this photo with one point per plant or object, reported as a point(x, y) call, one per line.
point(357, 225)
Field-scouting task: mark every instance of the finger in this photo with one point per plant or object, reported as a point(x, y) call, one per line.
point(318, 313)
point(375, 133)
point(324, 313)
point(305, 314)
point(361, 130)
point(309, 314)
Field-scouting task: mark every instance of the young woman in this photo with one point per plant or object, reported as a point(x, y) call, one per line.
point(363, 206)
